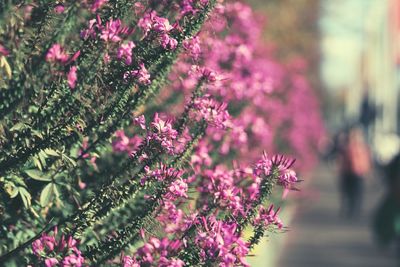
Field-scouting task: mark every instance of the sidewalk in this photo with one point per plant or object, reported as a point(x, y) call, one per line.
point(319, 237)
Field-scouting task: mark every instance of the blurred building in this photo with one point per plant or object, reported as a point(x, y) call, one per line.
point(377, 89)
point(361, 67)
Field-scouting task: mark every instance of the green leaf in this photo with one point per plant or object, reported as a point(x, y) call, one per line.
point(42, 157)
point(51, 152)
point(11, 189)
point(71, 161)
point(37, 175)
point(37, 163)
point(18, 126)
point(37, 133)
point(47, 194)
point(25, 196)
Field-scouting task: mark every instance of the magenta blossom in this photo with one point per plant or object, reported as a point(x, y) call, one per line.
point(155, 252)
point(268, 217)
point(125, 52)
point(193, 46)
point(4, 51)
point(211, 111)
point(140, 121)
point(97, 4)
point(59, 9)
point(51, 250)
point(50, 262)
point(113, 31)
point(56, 53)
point(220, 242)
point(163, 133)
point(72, 77)
point(141, 74)
point(168, 42)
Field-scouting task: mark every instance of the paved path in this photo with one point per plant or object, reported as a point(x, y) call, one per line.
point(320, 237)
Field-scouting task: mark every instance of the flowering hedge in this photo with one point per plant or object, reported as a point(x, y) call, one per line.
point(132, 132)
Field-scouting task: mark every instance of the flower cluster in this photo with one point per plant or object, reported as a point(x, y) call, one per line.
point(163, 133)
point(268, 217)
point(56, 54)
point(162, 173)
point(141, 74)
point(62, 252)
point(155, 252)
point(174, 102)
point(220, 184)
point(152, 23)
point(210, 110)
point(125, 52)
point(123, 143)
point(286, 176)
point(219, 241)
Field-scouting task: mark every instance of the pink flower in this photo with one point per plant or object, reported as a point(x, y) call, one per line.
point(219, 241)
point(50, 262)
point(72, 77)
point(140, 121)
point(263, 166)
point(91, 30)
point(163, 133)
point(268, 217)
point(113, 31)
point(37, 247)
point(123, 143)
point(157, 252)
point(4, 51)
point(59, 9)
point(178, 189)
point(48, 245)
point(142, 75)
point(187, 7)
point(56, 53)
point(128, 261)
point(75, 56)
point(73, 260)
point(168, 42)
point(287, 178)
point(220, 186)
point(162, 173)
point(106, 58)
point(161, 24)
point(193, 46)
point(146, 22)
point(211, 111)
point(139, 8)
point(97, 4)
point(125, 51)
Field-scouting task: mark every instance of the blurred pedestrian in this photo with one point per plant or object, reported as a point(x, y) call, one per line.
point(355, 164)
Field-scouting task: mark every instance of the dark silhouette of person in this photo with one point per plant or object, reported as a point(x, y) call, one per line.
point(355, 164)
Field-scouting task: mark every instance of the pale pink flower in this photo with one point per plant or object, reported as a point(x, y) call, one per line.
point(57, 53)
point(125, 52)
point(72, 77)
point(50, 262)
point(97, 4)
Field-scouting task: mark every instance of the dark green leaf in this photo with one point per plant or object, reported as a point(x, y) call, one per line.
point(37, 175)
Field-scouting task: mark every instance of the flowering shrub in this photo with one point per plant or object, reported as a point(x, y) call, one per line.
point(132, 132)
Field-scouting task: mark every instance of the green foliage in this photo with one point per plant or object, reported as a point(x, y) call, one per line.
point(43, 125)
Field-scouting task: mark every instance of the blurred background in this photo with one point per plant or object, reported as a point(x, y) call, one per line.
point(348, 210)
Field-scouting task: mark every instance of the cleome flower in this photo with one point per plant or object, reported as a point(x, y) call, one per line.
point(52, 251)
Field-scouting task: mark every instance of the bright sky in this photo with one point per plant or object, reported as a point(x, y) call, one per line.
point(342, 24)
